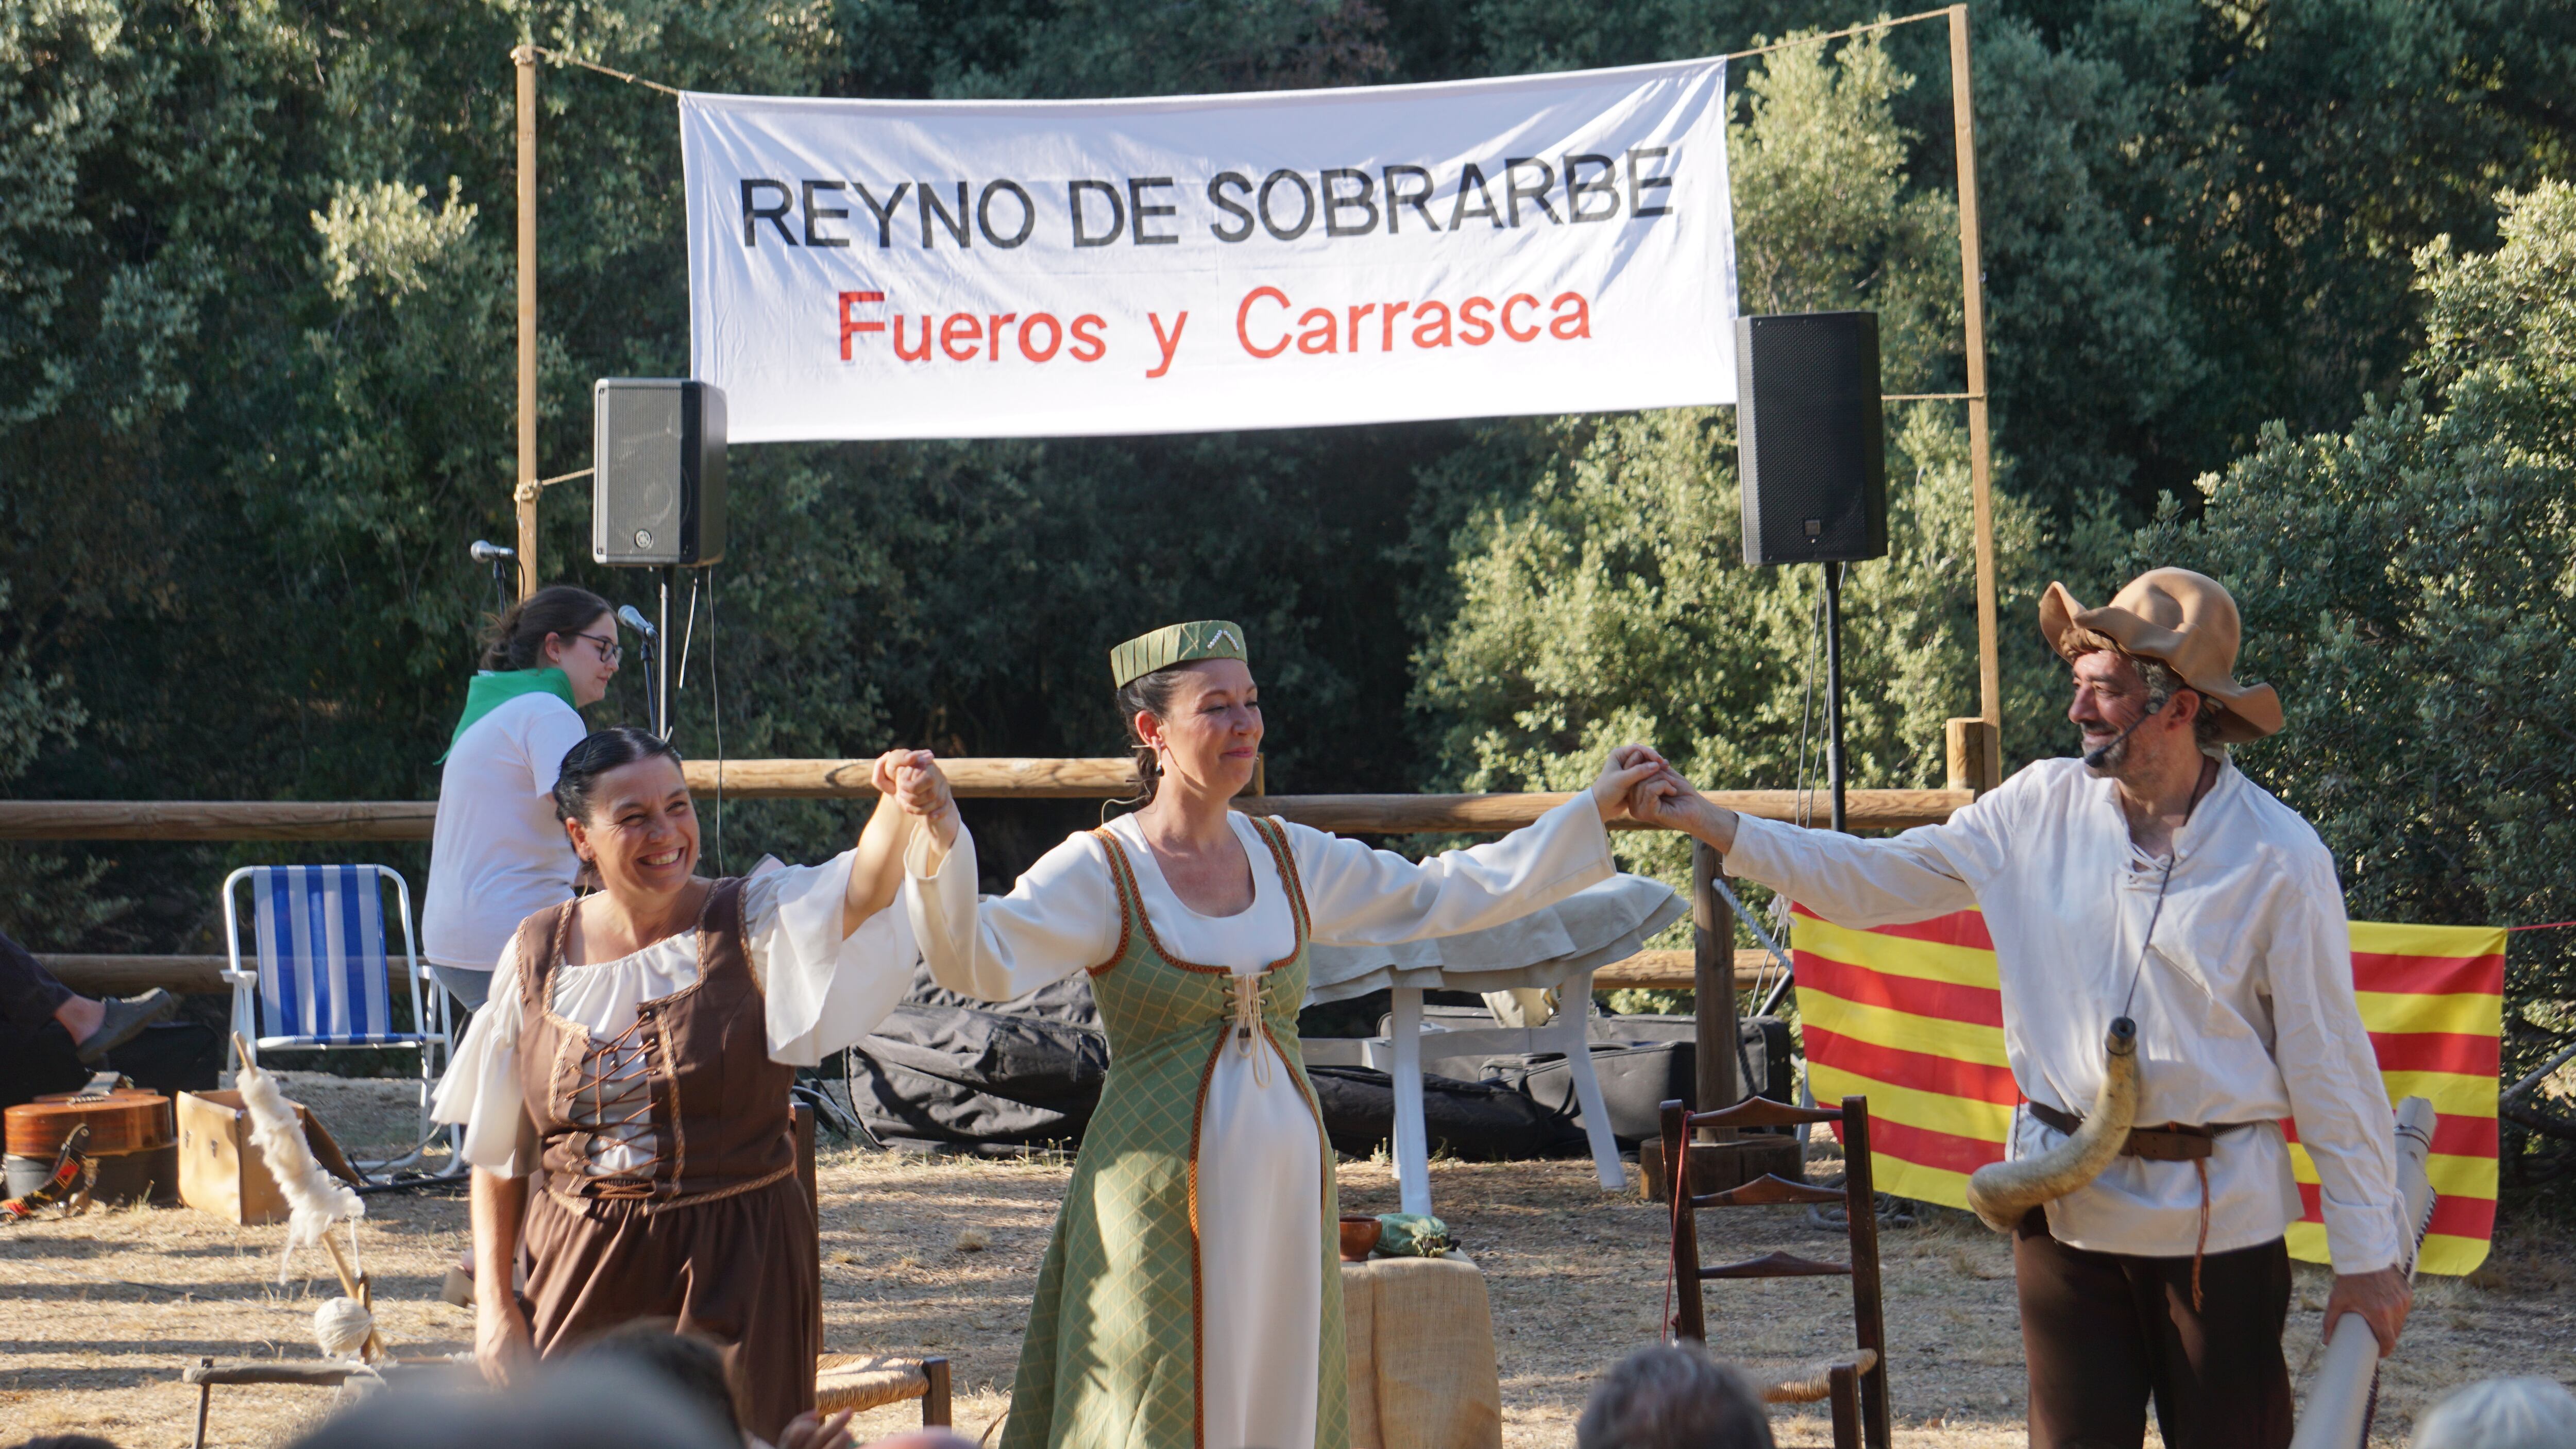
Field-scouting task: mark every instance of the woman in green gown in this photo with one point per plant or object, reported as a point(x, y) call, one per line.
point(1189, 1297)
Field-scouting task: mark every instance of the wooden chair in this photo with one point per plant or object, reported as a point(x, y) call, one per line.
point(867, 1381)
point(1855, 1385)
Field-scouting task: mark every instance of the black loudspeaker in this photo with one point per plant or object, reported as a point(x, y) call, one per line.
point(1812, 446)
point(657, 495)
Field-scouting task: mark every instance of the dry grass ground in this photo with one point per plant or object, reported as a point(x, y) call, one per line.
point(105, 1309)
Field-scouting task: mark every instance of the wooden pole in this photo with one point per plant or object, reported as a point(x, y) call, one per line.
point(1972, 290)
point(1713, 987)
point(525, 494)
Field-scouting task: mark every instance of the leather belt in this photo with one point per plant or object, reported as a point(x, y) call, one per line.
point(2172, 1142)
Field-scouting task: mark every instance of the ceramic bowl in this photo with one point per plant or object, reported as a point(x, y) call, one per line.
point(1359, 1238)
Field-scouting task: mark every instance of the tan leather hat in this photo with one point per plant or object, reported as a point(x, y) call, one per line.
point(2184, 619)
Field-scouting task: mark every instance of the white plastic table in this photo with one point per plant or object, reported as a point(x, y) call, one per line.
point(1399, 1055)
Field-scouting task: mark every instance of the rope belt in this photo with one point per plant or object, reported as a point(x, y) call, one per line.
point(1250, 994)
point(2172, 1142)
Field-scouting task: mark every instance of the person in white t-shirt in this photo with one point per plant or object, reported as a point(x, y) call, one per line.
point(497, 854)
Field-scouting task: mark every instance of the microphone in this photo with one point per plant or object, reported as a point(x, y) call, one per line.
point(2096, 757)
point(487, 552)
point(633, 618)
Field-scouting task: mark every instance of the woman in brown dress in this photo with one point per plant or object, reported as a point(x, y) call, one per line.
point(637, 1050)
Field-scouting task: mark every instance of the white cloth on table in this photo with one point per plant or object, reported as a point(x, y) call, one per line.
point(496, 851)
point(1589, 929)
point(821, 991)
point(2244, 1007)
point(1259, 1157)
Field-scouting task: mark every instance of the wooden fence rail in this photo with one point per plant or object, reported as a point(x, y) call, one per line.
point(203, 975)
point(1705, 967)
point(985, 779)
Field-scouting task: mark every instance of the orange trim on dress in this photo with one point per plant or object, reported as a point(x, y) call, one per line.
point(1130, 906)
point(1198, 1294)
point(1145, 918)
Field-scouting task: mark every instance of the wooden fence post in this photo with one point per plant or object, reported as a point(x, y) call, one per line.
point(1713, 988)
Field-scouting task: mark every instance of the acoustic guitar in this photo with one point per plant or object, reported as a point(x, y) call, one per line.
point(120, 1119)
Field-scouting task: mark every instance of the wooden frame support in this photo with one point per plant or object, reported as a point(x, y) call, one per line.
point(525, 494)
point(1972, 297)
point(1989, 759)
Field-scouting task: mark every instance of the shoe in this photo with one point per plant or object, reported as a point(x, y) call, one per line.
point(124, 1020)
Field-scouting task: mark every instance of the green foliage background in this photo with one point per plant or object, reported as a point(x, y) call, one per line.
point(2253, 307)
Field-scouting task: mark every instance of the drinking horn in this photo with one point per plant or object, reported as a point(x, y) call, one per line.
point(2002, 1192)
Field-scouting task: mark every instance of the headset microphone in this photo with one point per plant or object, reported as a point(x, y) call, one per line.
point(2096, 757)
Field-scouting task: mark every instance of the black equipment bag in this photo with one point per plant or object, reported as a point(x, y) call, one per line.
point(947, 1069)
point(1643, 1062)
point(1636, 1078)
point(1477, 1121)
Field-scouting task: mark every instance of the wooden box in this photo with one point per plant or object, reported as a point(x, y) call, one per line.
point(222, 1173)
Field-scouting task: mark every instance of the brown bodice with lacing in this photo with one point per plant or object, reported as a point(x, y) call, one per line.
point(714, 1118)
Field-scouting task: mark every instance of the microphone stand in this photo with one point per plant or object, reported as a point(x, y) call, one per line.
point(662, 663)
point(652, 715)
point(1834, 689)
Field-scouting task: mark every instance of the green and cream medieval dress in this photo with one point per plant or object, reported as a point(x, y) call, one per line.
point(1188, 1299)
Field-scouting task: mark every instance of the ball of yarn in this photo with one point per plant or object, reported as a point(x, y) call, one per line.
point(341, 1327)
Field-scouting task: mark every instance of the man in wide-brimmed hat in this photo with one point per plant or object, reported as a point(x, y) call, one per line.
point(2147, 878)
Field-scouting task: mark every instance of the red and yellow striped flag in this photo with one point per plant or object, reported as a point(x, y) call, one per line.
point(1911, 1017)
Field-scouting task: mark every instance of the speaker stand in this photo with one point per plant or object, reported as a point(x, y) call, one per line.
point(662, 668)
point(1834, 688)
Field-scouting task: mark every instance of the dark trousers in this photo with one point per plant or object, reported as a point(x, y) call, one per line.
point(29, 994)
point(2107, 1332)
point(36, 1053)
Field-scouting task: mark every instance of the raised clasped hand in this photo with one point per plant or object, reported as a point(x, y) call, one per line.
point(1661, 799)
point(1627, 768)
point(914, 779)
point(885, 772)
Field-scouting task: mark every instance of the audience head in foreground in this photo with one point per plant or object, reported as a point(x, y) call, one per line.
point(593, 1405)
point(2502, 1414)
point(694, 1365)
point(1673, 1396)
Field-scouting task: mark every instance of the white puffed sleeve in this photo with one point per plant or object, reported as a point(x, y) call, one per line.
point(1363, 897)
point(1060, 918)
point(823, 990)
point(480, 1091)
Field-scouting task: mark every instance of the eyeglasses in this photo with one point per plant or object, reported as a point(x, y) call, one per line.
point(609, 649)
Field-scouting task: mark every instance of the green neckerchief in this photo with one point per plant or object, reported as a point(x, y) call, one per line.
point(493, 688)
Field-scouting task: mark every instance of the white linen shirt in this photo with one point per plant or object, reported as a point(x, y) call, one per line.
point(2244, 1003)
point(820, 992)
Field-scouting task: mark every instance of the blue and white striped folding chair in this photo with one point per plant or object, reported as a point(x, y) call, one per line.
point(323, 979)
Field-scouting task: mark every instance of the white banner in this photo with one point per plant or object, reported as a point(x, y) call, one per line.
point(965, 269)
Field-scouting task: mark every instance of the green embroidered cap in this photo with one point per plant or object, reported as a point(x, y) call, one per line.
point(1176, 644)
